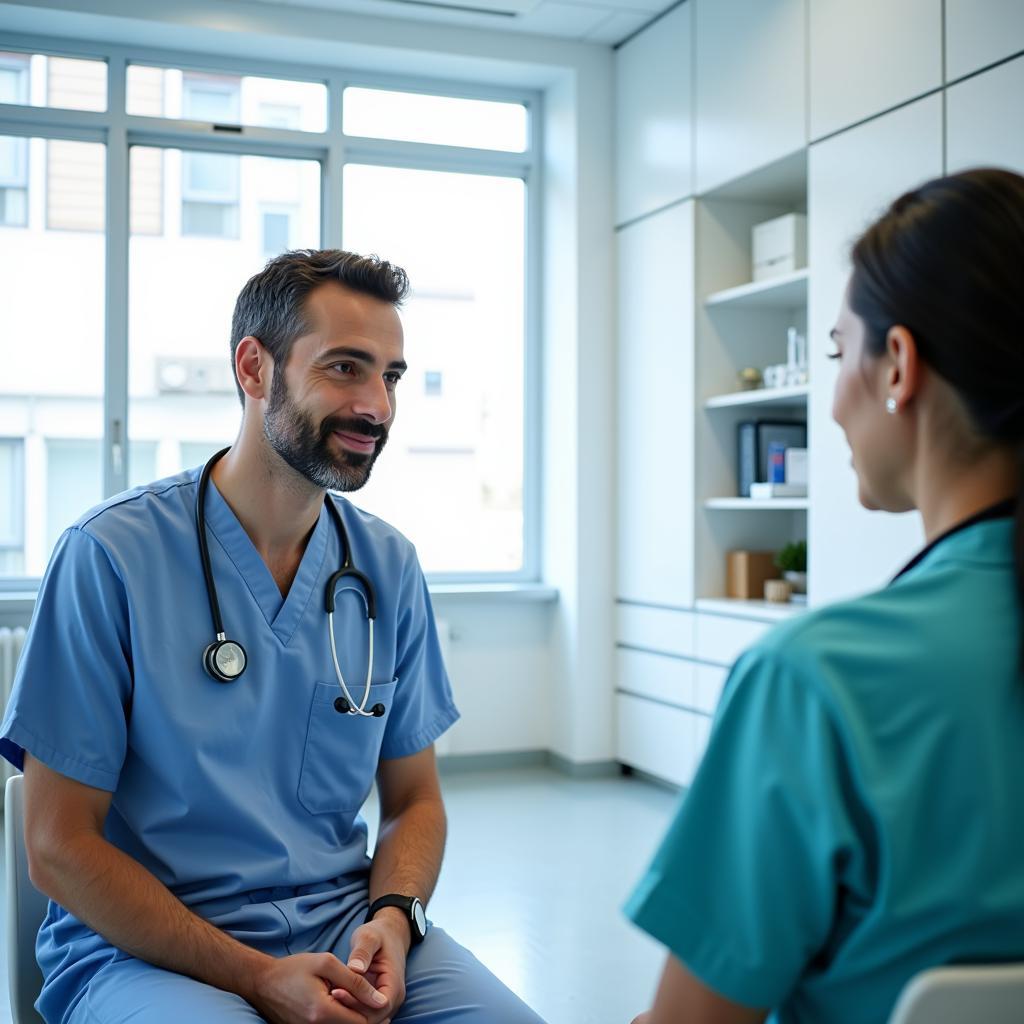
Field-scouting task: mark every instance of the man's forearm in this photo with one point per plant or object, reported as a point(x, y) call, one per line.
point(122, 901)
point(410, 845)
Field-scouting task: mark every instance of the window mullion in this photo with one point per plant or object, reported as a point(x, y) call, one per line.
point(115, 382)
point(334, 167)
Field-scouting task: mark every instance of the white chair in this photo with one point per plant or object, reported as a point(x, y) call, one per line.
point(983, 994)
point(26, 908)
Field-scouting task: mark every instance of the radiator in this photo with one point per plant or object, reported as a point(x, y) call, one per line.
point(11, 643)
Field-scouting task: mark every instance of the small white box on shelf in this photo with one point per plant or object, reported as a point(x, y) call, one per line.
point(779, 246)
point(796, 466)
point(770, 491)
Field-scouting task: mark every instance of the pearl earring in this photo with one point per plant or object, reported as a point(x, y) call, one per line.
point(890, 405)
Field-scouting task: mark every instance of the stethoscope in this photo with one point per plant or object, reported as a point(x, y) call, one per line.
point(225, 660)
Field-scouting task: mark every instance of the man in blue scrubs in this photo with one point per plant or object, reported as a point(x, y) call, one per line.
point(199, 838)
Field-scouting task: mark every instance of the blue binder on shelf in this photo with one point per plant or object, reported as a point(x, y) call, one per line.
point(753, 438)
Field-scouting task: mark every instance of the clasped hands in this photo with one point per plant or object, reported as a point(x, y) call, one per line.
point(317, 988)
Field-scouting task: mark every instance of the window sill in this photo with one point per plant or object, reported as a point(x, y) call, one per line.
point(16, 605)
point(494, 591)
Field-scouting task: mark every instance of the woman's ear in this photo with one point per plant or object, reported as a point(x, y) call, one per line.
point(903, 377)
point(254, 367)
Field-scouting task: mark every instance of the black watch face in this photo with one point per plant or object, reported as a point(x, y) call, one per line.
point(419, 918)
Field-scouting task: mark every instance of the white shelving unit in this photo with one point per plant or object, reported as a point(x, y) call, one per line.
point(757, 505)
point(763, 397)
point(742, 323)
point(787, 291)
point(764, 611)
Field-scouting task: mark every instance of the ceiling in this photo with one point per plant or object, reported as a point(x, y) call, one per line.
point(595, 21)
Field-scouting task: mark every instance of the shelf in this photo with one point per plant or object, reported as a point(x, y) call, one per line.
point(795, 395)
point(750, 505)
point(786, 292)
point(766, 611)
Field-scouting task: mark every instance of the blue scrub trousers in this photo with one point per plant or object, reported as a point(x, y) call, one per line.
point(444, 981)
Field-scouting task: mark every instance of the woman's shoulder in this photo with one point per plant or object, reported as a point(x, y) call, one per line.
point(904, 638)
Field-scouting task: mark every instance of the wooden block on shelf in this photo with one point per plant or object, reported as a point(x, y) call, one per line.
point(746, 573)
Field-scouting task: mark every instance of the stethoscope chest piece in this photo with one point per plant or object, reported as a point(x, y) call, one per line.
point(224, 660)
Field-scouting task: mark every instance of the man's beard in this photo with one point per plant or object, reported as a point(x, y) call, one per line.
point(292, 433)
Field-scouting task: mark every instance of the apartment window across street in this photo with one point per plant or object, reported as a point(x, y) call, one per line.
point(210, 181)
point(14, 82)
point(424, 179)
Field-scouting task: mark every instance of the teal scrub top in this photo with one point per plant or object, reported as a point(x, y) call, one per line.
point(858, 815)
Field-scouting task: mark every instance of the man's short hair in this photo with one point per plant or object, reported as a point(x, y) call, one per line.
point(272, 304)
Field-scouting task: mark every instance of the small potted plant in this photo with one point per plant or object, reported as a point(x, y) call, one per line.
point(792, 560)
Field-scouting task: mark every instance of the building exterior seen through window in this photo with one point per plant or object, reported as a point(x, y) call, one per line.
point(201, 223)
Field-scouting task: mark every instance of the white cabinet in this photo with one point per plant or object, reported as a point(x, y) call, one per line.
point(655, 414)
point(985, 119)
point(656, 629)
point(870, 56)
point(653, 116)
point(670, 680)
point(981, 32)
point(721, 639)
point(751, 102)
point(663, 741)
point(852, 179)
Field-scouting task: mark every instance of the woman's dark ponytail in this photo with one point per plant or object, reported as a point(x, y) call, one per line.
point(946, 261)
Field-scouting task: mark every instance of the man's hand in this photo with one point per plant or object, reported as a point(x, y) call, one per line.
point(643, 1018)
point(379, 949)
point(297, 990)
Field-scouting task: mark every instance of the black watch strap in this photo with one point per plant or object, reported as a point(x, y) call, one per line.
point(410, 906)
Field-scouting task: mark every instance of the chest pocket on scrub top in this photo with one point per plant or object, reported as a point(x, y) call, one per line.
point(342, 751)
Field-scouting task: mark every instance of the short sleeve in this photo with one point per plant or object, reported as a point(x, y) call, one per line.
point(423, 707)
point(70, 696)
point(744, 887)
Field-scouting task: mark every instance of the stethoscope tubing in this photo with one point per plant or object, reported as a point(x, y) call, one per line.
point(230, 673)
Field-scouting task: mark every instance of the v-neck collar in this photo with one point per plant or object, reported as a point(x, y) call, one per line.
point(283, 614)
point(1001, 510)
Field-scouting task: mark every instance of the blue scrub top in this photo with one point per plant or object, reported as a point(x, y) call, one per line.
point(220, 790)
point(857, 815)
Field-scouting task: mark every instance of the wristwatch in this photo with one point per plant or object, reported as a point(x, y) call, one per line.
point(410, 906)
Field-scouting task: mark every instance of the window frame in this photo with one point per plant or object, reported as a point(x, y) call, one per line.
point(16, 540)
point(118, 131)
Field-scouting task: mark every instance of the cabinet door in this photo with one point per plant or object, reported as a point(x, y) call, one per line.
point(981, 32)
point(852, 179)
point(985, 119)
point(653, 117)
point(663, 741)
point(869, 56)
point(655, 413)
point(751, 103)
point(645, 674)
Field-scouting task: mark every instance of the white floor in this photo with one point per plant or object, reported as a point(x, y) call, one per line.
point(537, 868)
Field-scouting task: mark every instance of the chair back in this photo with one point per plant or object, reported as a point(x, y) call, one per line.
point(982, 994)
point(26, 908)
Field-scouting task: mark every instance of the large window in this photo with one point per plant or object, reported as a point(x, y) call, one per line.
point(461, 239)
point(51, 336)
point(181, 383)
point(113, 383)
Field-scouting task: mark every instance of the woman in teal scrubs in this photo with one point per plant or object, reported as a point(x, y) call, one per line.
point(856, 818)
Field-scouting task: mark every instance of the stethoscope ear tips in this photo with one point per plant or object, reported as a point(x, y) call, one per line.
point(377, 711)
point(224, 660)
